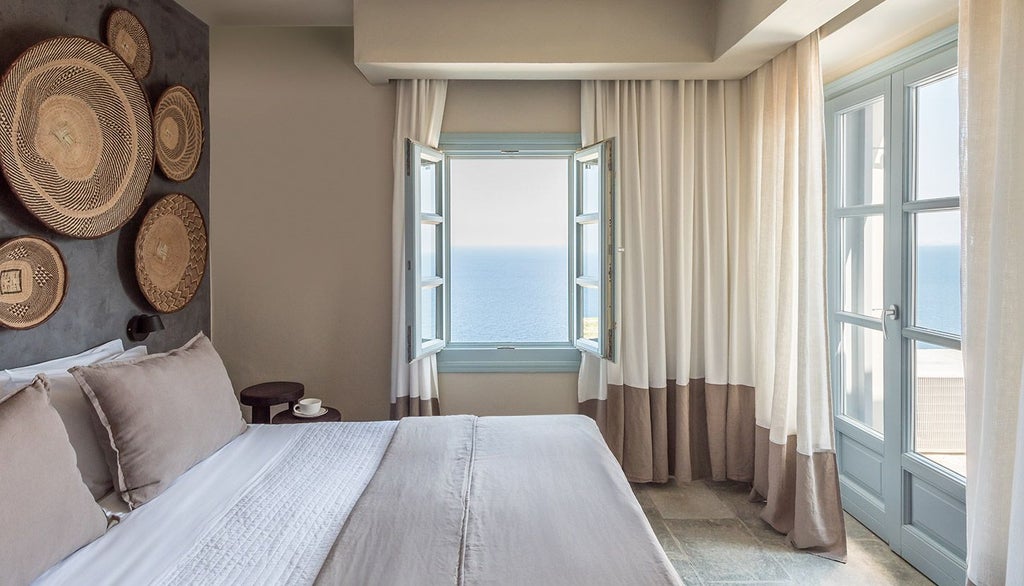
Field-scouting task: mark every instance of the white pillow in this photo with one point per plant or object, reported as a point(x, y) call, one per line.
point(13, 379)
point(81, 422)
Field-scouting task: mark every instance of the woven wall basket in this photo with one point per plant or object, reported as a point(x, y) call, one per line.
point(33, 281)
point(76, 136)
point(170, 253)
point(129, 39)
point(179, 133)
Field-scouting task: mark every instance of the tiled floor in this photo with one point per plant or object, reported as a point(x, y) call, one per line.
point(713, 535)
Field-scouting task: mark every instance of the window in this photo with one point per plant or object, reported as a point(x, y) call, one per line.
point(509, 240)
point(425, 233)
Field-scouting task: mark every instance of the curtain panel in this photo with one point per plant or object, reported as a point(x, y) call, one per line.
point(418, 113)
point(722, 367)
point(991, 43)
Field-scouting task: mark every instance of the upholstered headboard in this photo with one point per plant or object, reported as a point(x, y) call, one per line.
point(102, 291)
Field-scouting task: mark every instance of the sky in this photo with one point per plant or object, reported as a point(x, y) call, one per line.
point(937, 169)
point(509, 202)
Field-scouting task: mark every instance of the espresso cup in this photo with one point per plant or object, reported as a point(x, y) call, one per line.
point(308, 406)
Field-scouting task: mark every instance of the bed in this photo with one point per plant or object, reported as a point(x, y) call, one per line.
point(442, 500)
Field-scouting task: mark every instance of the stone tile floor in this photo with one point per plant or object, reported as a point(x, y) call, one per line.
point(713, 535)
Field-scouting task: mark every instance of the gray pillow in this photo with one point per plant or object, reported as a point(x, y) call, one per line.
point(46, 511)
point(162, 414)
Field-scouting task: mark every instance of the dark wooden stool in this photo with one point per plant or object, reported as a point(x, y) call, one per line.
point(263, 396)
point(289, 417)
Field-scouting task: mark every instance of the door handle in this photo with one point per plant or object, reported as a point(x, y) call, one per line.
point(892, 312)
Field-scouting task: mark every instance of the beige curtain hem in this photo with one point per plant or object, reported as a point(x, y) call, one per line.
point(414, 407)
point(801, 494)
point(691, 431)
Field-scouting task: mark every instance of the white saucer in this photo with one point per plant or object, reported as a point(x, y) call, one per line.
point(297, 413)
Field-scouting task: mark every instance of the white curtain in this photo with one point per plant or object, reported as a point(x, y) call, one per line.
point(992, 191)
point(683, 301)
point(722, 367)
point(796, 467)
point(418, 113)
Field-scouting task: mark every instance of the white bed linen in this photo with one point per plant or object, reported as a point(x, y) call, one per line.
point(152, 541)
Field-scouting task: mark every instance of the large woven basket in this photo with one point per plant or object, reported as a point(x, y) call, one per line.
point(179, 133)
point(129, 39)
point(76, 136)
point(33, 282)
point(170, 253)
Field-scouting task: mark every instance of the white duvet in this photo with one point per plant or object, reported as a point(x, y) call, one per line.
point(284, 490)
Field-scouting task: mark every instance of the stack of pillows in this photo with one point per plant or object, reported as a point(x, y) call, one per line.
point(104, 425)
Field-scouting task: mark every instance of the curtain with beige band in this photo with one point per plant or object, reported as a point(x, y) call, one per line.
point(722, 367)
point(992, 188)
point(418, 113)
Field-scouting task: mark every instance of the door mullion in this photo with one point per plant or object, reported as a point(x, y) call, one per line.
point(893, 292)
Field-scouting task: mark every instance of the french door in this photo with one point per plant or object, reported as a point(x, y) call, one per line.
point(894, 309)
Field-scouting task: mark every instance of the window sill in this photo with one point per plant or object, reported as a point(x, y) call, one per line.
point(477, 358)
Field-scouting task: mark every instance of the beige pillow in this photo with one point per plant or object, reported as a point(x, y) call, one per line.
point(162, 414)
point(88, 437)
point(46, 512)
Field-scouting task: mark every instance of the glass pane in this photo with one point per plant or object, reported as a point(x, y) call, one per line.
point(939, 428)
point(862, 259)
point(863, 154)
point(590, 184)
point(862, 375)
point(428, 315)
point(937, 165)
point(428, 250)
point(937, 260)
point(428, 187)
point(509, 229)
point(590, 306)
point(590, 251)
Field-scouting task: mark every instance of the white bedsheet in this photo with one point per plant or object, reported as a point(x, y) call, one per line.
point(159, 540)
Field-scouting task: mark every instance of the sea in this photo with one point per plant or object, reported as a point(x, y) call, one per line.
point(509, 294)
point(521, 294)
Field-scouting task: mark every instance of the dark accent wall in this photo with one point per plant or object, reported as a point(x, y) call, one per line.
point(102, 290)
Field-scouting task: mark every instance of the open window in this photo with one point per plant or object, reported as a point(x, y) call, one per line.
point(510, 248)
point(594, 258)
point(425, 269)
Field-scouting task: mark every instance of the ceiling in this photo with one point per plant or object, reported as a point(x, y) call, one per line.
point(740, 34)
point(271, 12)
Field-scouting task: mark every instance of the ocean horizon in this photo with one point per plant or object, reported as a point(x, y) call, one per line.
point(521, 294)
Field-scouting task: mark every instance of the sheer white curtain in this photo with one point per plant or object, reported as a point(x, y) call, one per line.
point(418, 113)
point(992, 190)
point(722, 365)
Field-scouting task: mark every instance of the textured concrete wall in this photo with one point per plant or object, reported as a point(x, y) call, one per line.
point(102, 292)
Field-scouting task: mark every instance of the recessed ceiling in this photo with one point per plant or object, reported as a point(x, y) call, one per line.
point(873, 29)
point(271, 12)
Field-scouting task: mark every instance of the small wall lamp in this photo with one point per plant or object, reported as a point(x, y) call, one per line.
point(141, 326)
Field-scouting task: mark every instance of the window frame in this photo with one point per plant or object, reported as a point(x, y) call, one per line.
point(604, 153)
point(416, 346)
point(497, 356)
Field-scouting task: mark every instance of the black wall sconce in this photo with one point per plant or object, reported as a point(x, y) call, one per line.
point(141, 326)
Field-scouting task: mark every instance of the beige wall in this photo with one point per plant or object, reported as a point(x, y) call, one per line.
point(533, 31)
point(301, 214)
point(510, 106)
point(301, 218)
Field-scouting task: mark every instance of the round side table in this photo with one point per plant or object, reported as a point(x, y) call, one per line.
point(289, 417)
point(263, 396)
